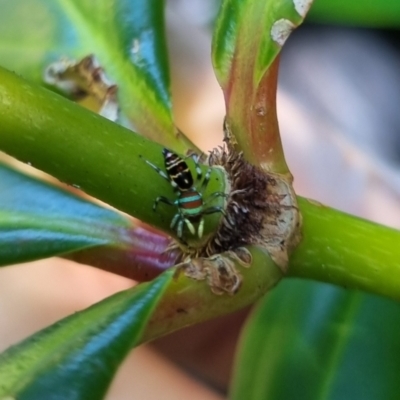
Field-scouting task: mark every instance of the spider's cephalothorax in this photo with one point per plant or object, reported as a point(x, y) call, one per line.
point(190, 203)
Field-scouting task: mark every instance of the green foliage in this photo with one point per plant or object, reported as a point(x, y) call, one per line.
point(243, 34)
point(78, 357)
point(247, 38)
point(126, 37)
point(369, 13)
point(313, 341)
point(46, 221)
point(306, 340)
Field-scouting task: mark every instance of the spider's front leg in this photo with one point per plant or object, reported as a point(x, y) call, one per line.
point(213, 210)
point(158, 170)
point(214, 196)
point(164, 200)
point(190, 226)
point(179, 220)
point(200, 228)
point(205, 184)
point(206, 180)
point(196, 159)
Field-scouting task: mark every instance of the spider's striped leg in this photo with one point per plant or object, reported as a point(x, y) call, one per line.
point(160, 171)
point(213, 210)
point(177, 222)
point(179, 229)
point(190, 226)
point(213, 196)
point(174, 220)
point(195, 159)
point(206, 180)
point(200, 229)
point(164, 200)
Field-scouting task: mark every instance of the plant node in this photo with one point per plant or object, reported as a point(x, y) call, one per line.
point(261, 209)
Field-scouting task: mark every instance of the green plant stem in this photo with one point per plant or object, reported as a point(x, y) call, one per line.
point(84, 149)
point(347, 251)
point(187, 301)
point(87, 151)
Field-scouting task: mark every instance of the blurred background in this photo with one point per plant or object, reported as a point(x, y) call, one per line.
point(338, 109)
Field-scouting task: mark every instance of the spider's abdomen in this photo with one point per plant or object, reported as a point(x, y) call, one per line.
point(178, 170)
point(191, 203)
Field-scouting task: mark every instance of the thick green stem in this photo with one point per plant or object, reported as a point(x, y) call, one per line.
point(103, 158)
point(187, 301)
point(87, 151)
point(347, 251)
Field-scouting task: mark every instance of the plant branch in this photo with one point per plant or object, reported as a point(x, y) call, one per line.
point(187, 301)
point(347, 251)
point(87, 151)
point(101, 157)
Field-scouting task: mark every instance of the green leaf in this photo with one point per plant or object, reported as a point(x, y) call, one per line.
point(38, 220)
point(127, 38)
point(245, 31)
point(77, 357)
point(315, 341)
point(384, 13)
point(247, 38)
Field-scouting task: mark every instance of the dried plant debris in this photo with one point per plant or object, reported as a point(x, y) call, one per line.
point(85, 82)
point(218, 270)
point(261, 209)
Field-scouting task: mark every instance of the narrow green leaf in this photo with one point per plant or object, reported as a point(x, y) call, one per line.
point(38, 220)
point(384, 13)
point(127, 38)
point(245, 34)
point(247, 39)
point(78, 357)
point(317, 342)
